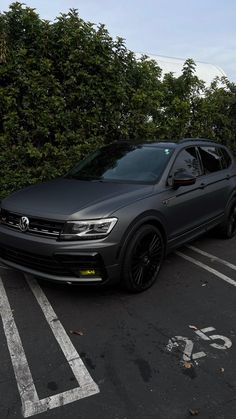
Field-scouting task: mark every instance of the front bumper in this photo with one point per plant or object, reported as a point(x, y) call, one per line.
point(90, 261)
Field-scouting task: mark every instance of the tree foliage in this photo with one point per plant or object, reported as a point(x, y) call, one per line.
point(67, 87)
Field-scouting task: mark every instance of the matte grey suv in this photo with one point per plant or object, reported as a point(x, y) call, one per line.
point(119, 211)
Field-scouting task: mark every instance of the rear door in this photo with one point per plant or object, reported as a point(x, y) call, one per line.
point(215, 180)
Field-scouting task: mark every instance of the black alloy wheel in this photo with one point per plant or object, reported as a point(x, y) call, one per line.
point(227, 229)
point(231, 225)
point(143, 259)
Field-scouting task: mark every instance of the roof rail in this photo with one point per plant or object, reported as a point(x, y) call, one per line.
point(184, 140)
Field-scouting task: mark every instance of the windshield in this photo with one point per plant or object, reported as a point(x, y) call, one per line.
point(123, 163)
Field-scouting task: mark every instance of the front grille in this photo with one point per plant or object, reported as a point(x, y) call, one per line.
point(36, 225)
point(60, 265)
point(29, 260)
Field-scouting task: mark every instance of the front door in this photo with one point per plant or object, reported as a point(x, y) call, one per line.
point(185, 207)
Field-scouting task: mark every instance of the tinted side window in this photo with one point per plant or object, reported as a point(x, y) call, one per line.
point(211, 160)
point(226, 159)
point(187, 161)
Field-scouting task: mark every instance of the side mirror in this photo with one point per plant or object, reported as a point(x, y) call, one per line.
point(183, 179)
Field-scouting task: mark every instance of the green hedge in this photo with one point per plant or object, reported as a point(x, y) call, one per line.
point(67, 87)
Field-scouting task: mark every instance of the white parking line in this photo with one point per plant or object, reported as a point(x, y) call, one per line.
point(31, 404)
point(207, 268)
point(212, 257)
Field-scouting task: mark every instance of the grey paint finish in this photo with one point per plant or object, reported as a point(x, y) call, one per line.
point(65, 199)
point(181, 213)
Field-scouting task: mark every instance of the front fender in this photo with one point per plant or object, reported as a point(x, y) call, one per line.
point(147, 217)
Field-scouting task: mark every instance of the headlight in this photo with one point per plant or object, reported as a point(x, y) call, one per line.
point(87, 229)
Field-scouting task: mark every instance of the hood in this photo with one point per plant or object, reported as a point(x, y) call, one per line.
point(65, 199)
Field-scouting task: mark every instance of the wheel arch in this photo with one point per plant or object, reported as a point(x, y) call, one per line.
point(232, 197)
point(149, 217)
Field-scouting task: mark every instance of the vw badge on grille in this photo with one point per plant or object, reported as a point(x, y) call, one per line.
point(24, 224)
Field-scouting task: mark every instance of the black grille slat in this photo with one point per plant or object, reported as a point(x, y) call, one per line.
point(85, 263)
point(38, 267)
point(39, 226)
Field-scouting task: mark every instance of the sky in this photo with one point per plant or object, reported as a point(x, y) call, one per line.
point(204, 30)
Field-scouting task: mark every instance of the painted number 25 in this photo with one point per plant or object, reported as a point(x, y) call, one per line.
point(223, 343)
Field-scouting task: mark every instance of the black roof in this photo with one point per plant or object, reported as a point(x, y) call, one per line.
point(170, 144)
point(180, 142)
point(185, 140)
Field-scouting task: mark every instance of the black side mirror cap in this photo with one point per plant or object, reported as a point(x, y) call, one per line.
point(183, 179)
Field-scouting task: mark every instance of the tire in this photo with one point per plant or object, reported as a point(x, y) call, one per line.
point(227, 229)
point(143, 259)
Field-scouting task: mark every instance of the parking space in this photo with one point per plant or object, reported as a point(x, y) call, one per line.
point(102, 353)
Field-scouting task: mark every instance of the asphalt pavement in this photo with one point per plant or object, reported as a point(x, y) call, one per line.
point(82, 353)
